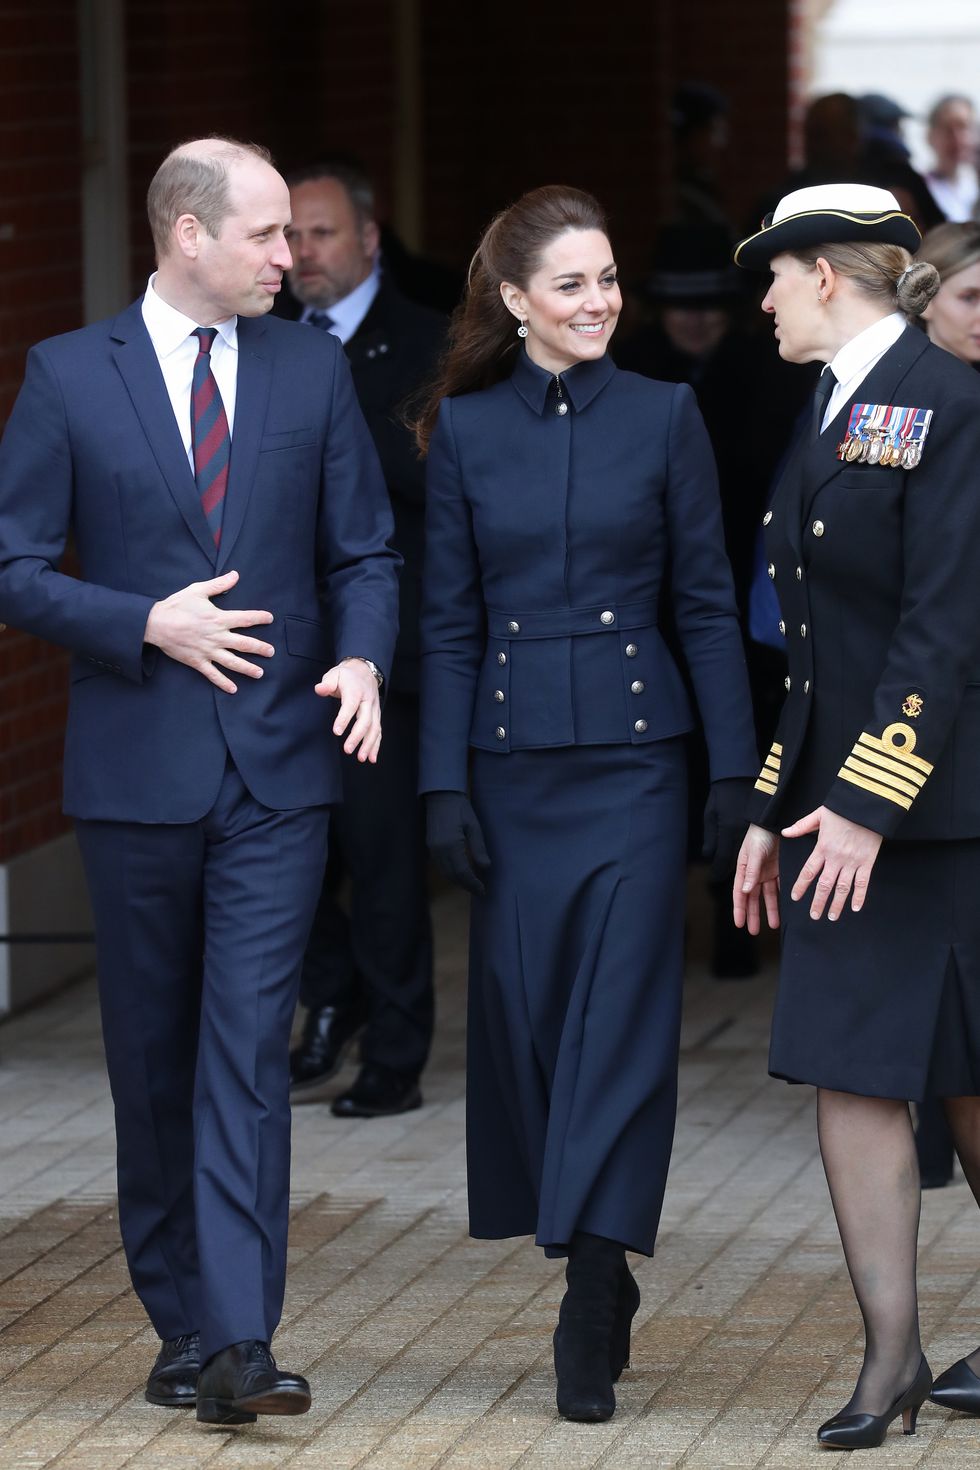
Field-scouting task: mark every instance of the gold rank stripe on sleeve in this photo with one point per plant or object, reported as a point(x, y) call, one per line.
point(769, 775)
point(887, 769)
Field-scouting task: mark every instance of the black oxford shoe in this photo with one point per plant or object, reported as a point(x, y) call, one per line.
point(958, 1388)
point(173, 1378)
point(378, 1092)
point(328, 1034)
point(242, 1381)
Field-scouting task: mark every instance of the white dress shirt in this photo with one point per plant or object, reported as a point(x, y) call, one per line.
point(348, 313)
point(176, 349)
point(856, 358)
point(956, 195)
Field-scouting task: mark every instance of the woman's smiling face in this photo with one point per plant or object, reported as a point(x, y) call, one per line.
point(572, 302)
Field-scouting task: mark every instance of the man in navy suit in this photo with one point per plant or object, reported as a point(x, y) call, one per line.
point(194, 446)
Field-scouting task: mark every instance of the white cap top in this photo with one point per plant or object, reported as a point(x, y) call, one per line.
point(851, 198)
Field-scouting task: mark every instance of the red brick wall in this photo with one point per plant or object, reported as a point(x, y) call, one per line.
point(40, 293)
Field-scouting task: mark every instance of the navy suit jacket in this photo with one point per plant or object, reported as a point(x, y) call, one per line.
point(92, 449)
point(554, 526)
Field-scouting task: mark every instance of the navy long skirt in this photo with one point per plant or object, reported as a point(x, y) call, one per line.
point(884, 1003)
point(576, 960)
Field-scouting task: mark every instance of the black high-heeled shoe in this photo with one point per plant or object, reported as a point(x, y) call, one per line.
point(867, 1431)
point(627, 1303)
point(958, 1388)
point(583, 1337)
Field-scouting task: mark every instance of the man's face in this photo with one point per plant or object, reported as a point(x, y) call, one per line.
point(333, 251)
point(240, 272)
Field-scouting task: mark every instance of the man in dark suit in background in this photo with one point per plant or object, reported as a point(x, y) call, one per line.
point(371, 972)
point(192, 446)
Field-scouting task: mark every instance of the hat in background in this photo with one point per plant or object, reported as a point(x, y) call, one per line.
point(879, 111)
point(825, 214)
point(692, 266)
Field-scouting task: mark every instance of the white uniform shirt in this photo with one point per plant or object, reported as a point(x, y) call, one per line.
point(856, 358)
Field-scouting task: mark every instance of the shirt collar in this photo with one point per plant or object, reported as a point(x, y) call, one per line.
point(348, 313)
point(861, 353)
point(580, 383)
point(170, 328)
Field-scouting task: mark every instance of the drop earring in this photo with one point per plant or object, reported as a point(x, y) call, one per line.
point(522, 330)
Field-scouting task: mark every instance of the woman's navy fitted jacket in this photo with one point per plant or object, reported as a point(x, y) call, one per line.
point(556, 512)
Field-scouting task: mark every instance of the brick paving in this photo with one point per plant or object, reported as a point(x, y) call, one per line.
point(428, 1349)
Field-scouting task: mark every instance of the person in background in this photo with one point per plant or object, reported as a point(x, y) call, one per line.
point(370, 973)
point(954, 138)
point(701, 133)
point(560, 490)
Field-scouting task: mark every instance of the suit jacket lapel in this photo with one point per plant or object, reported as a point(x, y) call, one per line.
point(140, 371)
point(880, 386)
point(251, 404)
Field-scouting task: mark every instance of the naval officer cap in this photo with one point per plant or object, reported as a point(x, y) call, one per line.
point(826, 214)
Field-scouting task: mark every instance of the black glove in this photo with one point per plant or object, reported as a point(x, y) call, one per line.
point(455, 840)
point(725, 823)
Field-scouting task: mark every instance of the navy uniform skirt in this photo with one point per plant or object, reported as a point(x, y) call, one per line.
point(884, 1003)
point(576, 960)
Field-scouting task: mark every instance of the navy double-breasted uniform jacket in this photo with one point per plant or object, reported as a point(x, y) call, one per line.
point(878, 575)
point(558, 510)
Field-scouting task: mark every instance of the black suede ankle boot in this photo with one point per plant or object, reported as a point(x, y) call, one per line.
point(586, 1322)
point(627, 1305)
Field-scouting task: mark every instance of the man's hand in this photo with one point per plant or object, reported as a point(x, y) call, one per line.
point(357, 689)
point(189, 628)
point(757, 872)
point(843, 858)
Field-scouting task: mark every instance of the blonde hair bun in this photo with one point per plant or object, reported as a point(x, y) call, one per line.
point(916, 287)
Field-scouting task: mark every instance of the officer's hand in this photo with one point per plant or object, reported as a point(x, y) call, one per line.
point(842, 859)
point(455, 840)
point(757, 872)
point(189, 628)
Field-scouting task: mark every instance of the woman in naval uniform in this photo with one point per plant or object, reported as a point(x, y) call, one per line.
point(866, 831)
point(558, 491)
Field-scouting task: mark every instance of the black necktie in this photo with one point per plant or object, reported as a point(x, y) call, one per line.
point(321, 319)
point(826, 383)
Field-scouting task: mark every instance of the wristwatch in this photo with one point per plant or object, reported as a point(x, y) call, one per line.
point(379, 676)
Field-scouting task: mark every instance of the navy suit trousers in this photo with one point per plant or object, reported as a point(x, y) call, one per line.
point(200, 930)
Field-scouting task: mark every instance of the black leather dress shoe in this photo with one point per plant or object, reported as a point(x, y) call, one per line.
point(958, 1388)
point(328, 1034)
point(242, 1381)
point(173, 1378)
point(378, 1092)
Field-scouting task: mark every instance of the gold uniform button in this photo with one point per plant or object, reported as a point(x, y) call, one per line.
point(498, 695)
point(782, 627)
point(501, 733)
point(501, 658)
point(787, 682)
point(640, 726)
point(637, 686)
point(631, 650)
point(513, 627)
point(607, 618)
point(817, 528)
point(767, 518)
point(772, 572)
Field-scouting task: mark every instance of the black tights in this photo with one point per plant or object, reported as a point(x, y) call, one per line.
point(868, 1151)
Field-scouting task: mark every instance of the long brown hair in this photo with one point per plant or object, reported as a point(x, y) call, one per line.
point(483, 333)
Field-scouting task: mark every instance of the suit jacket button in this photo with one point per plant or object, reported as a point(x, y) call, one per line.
point(640, 726)
point(501, 658)
point(371, 352)
point(767, 518)
point(607, 618)
point(787, 682)
point(631, 650)
point(501, 733)
point(498, 695)
point(782, 627)
point(806, 686)
point(803, 630)
point(817, 528)
point(772, 572)
point(513, 627)
point(799, 574)
point(637, 686)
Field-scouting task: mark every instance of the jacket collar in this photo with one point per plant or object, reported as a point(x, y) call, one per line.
point(580, 384)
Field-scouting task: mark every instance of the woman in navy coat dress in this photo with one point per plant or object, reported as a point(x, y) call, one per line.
point(561, 493)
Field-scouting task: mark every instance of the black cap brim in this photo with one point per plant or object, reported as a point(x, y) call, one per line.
point(826, 227)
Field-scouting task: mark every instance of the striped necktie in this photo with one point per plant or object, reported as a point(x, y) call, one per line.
point(209, 434)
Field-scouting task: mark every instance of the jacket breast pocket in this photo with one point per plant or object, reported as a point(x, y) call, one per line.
point(308, 639)
point(287, 439)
